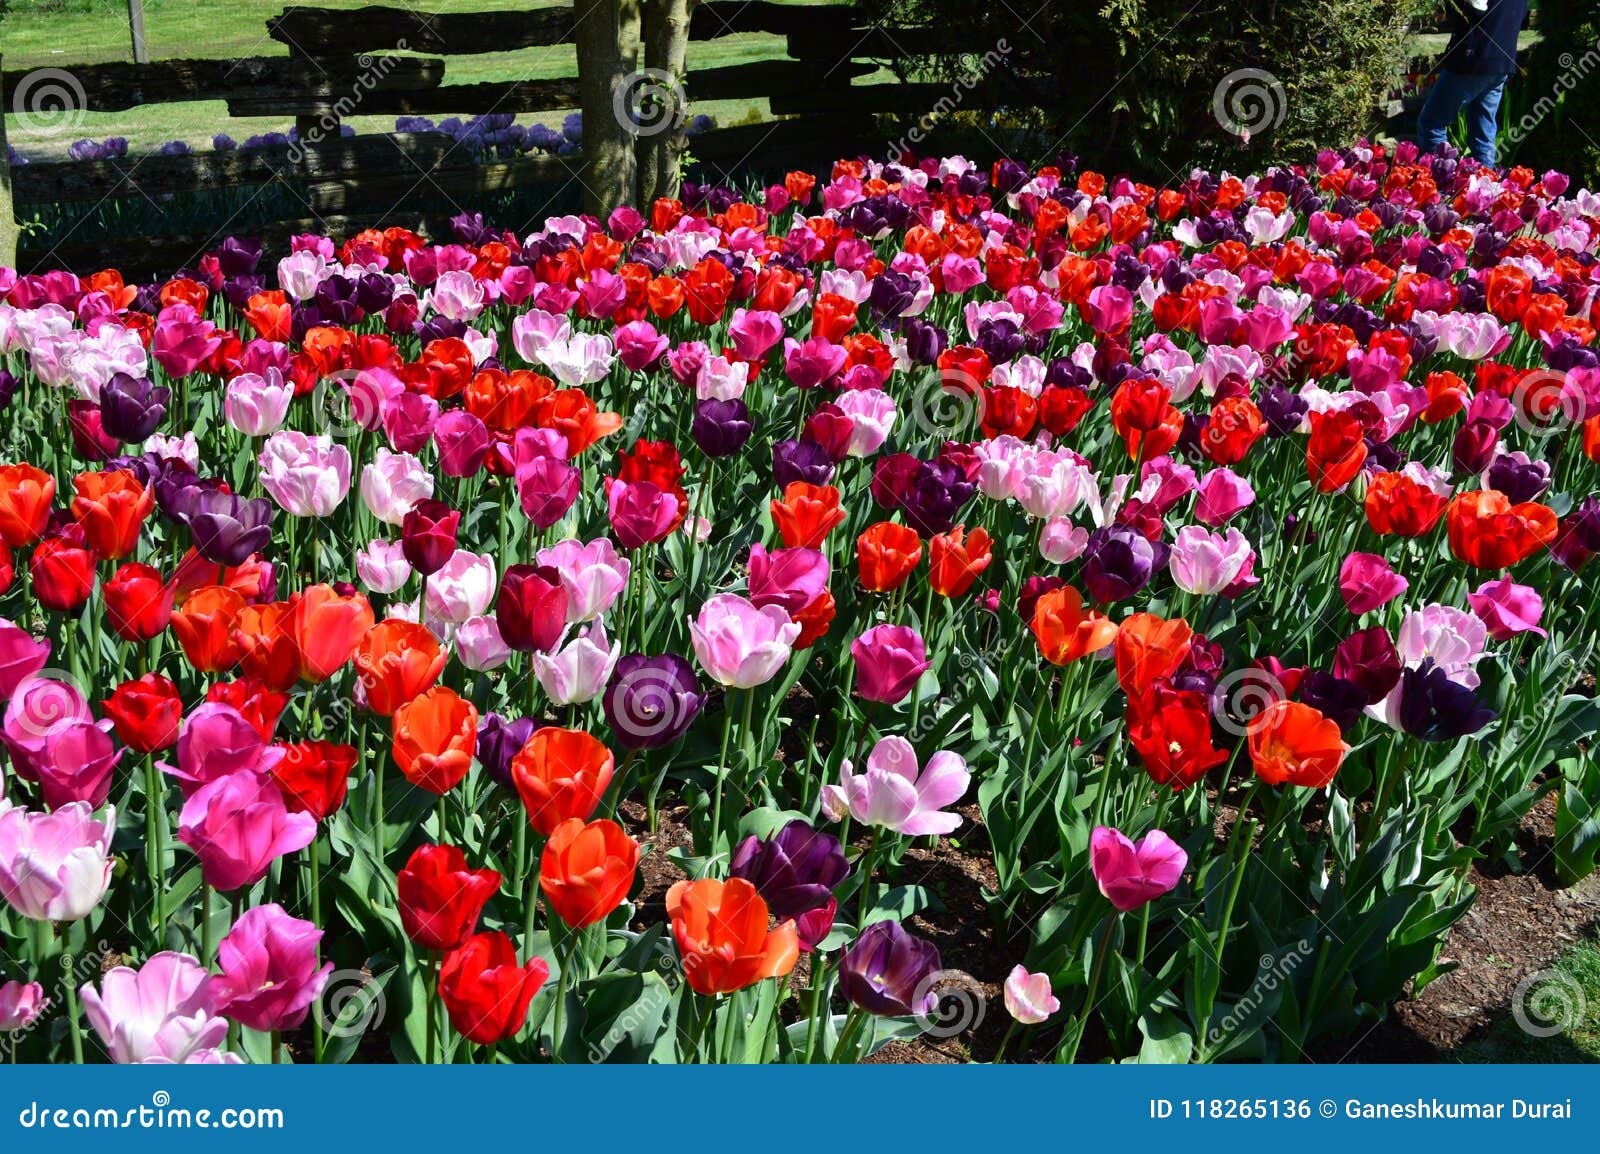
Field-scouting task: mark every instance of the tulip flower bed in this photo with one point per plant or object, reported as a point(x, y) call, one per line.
point(578, 646)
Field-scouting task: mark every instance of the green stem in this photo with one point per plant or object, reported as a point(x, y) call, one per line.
point(1094, 985)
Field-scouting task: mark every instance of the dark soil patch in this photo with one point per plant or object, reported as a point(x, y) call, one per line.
point(1517, 926)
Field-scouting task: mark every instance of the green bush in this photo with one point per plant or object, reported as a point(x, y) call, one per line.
point(1158, 85)
point(1554, 121)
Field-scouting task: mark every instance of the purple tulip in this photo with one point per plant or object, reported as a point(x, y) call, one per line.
point(889, 972)
point(1118, 562)
point(795, 870)
point(721, 428)
point(499, 740)
point(650, 702)
point(226, 527)
point(131, 408)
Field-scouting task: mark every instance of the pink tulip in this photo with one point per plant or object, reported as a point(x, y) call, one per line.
point(1164, 482)
point(217, 741)
point(1130, 874)
point(21, 656)
point(55, 867)
point(753, 332)
point(812, 362)
point(640, 511)
point(788, 578)
point(1028, 997)
point(408, 421)
point(20, 1004)
point(479, 644)
point(890, 659)
point(463, 442)
point(547, 486)
point(1507, 608)
point(593, 575)
point(182, 340)
point(382, 565)
point(893, 794)
point(1207, 563)
point(269, 976)
point(307, 476)
point(639, 346)
point(740, 645)
point(238, 826)
point(872, 415)
point(162, 1012)
point(579, 670)
point(76, 765)
point(1366, 582)
point(1222, 494)
point(256, 404)
point(370, 392)
point(40, 709)
point(463, 588)
point(392, 484)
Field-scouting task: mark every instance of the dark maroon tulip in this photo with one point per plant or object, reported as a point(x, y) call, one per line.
point(428, 535)
point(89, 437)
point(887, 971)
point(1369, 661)
point(1435, 708)
point(531, 608)
point(1474, 446)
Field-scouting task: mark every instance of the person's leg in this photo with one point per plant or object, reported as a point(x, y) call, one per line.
point(1449, 92)
point(1483, 119)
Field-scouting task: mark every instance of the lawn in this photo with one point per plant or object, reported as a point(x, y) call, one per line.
point(63, 33)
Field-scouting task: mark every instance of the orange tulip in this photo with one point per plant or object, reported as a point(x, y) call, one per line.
point(1148, 649)
point(806, 514)
point(326, 629)
point(955, 560)
point(886, 554)
point(722, 934)
point(1488, 532)
point(1065, 630)
point(204, 626)
point(266, 651)
point(435, 736)
point(561, 774)
point(25, 496)
point(396, 661)
point(112, 508)
point(586, 870)
point(1292, 742)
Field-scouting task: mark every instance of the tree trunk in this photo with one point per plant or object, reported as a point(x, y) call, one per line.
point(8, 218)
point(608, 165)
point(666, 49)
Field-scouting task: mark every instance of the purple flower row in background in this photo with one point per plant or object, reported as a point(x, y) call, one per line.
point(495, 135)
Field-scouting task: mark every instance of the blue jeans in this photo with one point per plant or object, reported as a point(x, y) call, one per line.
point(1453, 92)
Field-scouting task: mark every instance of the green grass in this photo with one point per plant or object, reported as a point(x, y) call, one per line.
point(1577, 972)
point(64, 33)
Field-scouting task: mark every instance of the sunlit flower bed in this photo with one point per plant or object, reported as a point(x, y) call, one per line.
point(1030, 614)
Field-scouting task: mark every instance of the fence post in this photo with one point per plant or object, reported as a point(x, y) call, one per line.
point(141, 53)
point(8, 218)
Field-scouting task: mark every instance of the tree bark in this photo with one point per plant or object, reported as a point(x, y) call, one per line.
point(8, 219)
point(666, 49)
point(608, 164)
